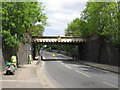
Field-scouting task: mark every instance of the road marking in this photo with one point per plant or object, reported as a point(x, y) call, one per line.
point(110, 84)
point(68, 67)
point(42, 64)
point(62, 63)
point(83, 73)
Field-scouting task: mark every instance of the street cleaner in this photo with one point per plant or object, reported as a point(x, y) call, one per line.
point(29, 59)
point(11, 66)
point(53, 55)
point(14, 59)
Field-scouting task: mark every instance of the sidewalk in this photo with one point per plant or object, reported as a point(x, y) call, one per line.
point(101, 66)
point(25, 77)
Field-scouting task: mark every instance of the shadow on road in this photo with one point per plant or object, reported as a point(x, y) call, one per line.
point(8, 74)
point(68, 60)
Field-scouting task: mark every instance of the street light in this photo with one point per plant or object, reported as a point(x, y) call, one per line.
point(27, 45)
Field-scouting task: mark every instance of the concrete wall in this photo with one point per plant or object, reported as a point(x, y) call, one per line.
point(92, 51)
point(22, 53)
point(109, 55)
point(7, 53)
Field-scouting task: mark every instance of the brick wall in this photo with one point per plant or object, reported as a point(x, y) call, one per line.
point(95, 50)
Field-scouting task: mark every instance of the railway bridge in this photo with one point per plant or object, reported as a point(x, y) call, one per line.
point(57, 40)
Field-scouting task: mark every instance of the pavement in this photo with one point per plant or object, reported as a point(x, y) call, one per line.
point(111, 68)
point(25, 77)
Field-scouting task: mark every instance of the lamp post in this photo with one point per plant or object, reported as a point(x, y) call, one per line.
point(27, 45)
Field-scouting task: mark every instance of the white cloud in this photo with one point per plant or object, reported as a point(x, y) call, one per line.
point(60, 13)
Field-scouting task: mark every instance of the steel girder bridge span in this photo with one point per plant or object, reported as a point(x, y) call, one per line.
point(57, 40)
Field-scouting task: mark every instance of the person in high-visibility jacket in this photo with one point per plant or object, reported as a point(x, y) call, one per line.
point(14, 59)
point(30, 59)
point(53, 55)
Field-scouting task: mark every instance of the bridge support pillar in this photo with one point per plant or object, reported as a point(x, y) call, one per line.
point(81, 51)
point(34, 51)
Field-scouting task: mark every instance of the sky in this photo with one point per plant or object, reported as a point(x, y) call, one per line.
point(60, 13)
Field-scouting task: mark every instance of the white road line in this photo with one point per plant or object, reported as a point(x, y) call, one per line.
point(110, 84)
point(68, 67)
point(83, 73)
point(42, 64)
point(62, 63)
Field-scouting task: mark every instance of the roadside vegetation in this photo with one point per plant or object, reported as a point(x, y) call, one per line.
point(19, 19)
point(98, 18)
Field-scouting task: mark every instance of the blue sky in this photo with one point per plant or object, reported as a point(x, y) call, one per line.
point(60, 13)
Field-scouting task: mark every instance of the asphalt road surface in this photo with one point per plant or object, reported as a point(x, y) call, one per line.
point(65, 73)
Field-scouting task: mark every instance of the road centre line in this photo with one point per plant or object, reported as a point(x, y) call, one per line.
point(83, 73)
point(110, 84)
point(68, 67)
point(43, 63)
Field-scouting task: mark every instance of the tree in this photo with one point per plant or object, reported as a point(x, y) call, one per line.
point(102, 19)
point(9, 41)
point(19, 17)
point(37, 30)
point(99, 18)
point(77, 27)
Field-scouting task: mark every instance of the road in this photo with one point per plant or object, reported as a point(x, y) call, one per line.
point(66, 73)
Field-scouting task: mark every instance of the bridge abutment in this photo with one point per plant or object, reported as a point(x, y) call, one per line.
point(33, 51)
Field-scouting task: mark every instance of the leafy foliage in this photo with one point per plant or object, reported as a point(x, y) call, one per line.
point(77, 27)
point(9, 41)
point(36, 30)
point(18, 17)
point(100, 18)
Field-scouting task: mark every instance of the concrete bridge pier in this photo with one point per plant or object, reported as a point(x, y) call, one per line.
point(33, 50)
point(81, 51)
